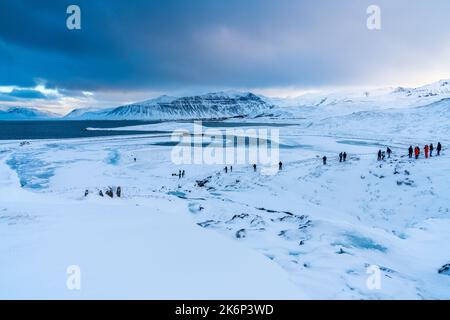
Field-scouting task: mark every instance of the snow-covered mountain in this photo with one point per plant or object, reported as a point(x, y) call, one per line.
point(429, 121)
point(208, 106)
point(19, 113)
point(377, 98)
point(222, 105)
point(440, 88)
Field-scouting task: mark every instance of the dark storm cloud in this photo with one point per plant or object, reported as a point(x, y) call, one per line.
point(246, 43)
point(27, 94)
point(24, 94)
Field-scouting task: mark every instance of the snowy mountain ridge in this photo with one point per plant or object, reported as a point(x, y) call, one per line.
point(209, 106)
point(21, 113)
point(390, 97)
point(229, 104)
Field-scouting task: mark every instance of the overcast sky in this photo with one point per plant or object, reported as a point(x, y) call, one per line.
point(133, 50)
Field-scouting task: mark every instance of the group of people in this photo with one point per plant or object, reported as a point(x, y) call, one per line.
point(180, 174)
point(382, 154)
point(226, 169)
point(342, 158)
point(428, 150)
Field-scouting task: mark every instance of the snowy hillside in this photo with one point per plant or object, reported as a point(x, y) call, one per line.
point(17, 113)
point(137, 248)
point(424, 122)
point(209, 106)
point(377, 98)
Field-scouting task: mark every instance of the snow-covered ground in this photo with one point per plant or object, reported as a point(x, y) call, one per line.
point(310, 231)
point(143, 245)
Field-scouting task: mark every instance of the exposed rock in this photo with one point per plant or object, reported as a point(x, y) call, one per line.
point(241, 234)
point(445, 269)
point(202, 183)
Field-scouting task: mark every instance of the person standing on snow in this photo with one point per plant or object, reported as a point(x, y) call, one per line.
point(426, 149)
point(324, 159)
point(410, 151)
point(344, 156)
point(389, 151)
point(340, 157)
point(431, 150)
point(379, 155)
point(417, 152)
point(280, 165)
point(254, 167)
point(439, 148)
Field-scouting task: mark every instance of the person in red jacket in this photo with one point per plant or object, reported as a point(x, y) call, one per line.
point(427, 148)
point(417, 152)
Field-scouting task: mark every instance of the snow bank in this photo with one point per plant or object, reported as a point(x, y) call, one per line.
point(127, 249)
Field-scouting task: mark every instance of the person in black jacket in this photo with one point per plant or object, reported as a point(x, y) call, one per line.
point(439, 148)
point(410, 151)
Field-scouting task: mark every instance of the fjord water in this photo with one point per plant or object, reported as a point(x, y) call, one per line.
point(65, 129)
point(16, 130)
